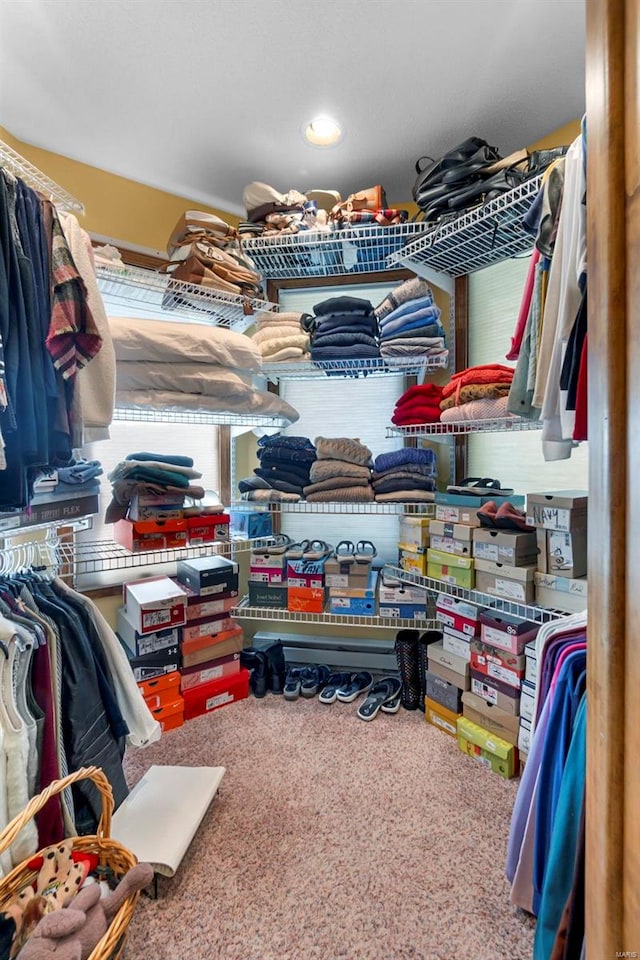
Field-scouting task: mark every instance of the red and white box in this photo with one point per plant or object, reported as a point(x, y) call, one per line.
point(458, 615)
point(154, 604)
point(208, 528)
point(200, 607)
point(206, 672)
point(498, 664)
point(218, 693)
point(207, 627)
point(264, 568)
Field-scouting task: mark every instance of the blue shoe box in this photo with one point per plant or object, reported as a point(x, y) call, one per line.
point(355, 601)
point(251, 523)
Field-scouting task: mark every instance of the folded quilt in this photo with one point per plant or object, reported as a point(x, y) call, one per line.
point(413, 289)
point(276, 332)
point(396, 458)
point(355, 351)
point(408, 309)
point(343, 448)
point(476, 391)
point(271, 496)
point(343, 305)
point(331, 483)
point(269, 347)
point(477, 410)
point(342, 339)
point(327, 468)
point(489, 373)
point(353, 494)
point(405, 496)
point(430, 330)
point(403, 481)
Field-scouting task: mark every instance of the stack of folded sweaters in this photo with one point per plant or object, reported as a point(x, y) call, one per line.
point(478, 393)
point(150, 473)
point(419, 404)
point(343, 328)
point(284, 468)
point(279, 337)
point(409, 322)
point(341, 473)
point(405, 475)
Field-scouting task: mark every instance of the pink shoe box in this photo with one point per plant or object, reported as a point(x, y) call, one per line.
point(199, 607)
point(267, 568)
point(499, 664)
point(506, 632)
point(458, 615)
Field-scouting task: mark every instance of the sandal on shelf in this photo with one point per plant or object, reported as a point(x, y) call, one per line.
point(383, 691)
point(279, 546)
point(480, 487)
point(365, 551)
point(296, 550)
point(317, 550)
point(509, 517)
point(487, 515)
point(359, 683)
point(345, 552)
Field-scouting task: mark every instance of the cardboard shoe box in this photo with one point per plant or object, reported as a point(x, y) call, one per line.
point(306, 599)
point(207, 628)
point(140, 536)
point(414, 562)
point(524, 736)
point(562, 554)
point(232, 643)
point(503, 546)
point(215, 694)
point(209, 641)
point(413, 534)
point(156, 603)
point(495, 692)
point(458, 548)
point(499, 664)
point(491, 751)
point(446, 694)
point(208, 528)
point(506, 632)
point(455, 643)
point(267, 568)
point(562, 510)
point(208, 576)
point(141, 644)
point(527, 700)
point(531, 664)
point(210, 670)
point(305, 573)
point(451, 569)
point(251, 524)
point(492, 718)
point(441, 718)
point(156, 664)
point(561, 593)
point(356, 601)
point(339, 573)
point(170, 715)
point(198, 607)
point(149, 506)
point(458, 615)
point(160, 690)
point(461, 532)
point(501, 580)
point(402, 601)
point(268, 595)
point(458, 667)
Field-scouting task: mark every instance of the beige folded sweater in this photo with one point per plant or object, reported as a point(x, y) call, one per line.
point(277, 331)
point(332, 483)
point(325, 469)
point(343, 495)
point(342, 448)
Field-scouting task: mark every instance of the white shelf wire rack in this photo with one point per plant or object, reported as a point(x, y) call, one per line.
point(498, 425)
point(160, 295)
point(99, 556)
point(346, 251)
point(304, 506)
point(206, 417)
point(371, 367)
point(524, 610)
point(278, 615)
point(20, 167)
point(476, 239)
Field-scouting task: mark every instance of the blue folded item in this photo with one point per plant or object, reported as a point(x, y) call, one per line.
point(389, 461)
point(416, 318)
point(431, 330)
point(174, 459)
point(356, 351)
point(80, 471)
point(410, 306)
point(290, 442)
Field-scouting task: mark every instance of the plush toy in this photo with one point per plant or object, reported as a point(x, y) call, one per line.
point(73, 932)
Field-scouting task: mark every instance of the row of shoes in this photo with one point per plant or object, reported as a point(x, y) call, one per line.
point(383, 694)
point(363, 552)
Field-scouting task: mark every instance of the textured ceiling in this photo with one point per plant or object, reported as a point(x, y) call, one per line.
point(200, 97)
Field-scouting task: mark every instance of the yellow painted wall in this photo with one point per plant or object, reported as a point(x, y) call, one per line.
point(114, 206)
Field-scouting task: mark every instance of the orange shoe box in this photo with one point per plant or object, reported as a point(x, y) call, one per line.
point(208, 528)
point(167, 685)
point(171, 715)
point(438, 716)
point(217, 693)
point(140, 535)
point(208, 627)
point(306, 599)
point(209, 640)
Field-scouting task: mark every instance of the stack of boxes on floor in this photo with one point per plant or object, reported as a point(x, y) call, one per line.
point(560, 519)
point(183, 646)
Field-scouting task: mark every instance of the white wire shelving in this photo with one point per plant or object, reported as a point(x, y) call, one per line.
point(168, 414)
point(371, 367)
point(346, 251)
point(476, 239)
point(426, 509)
point(99, 556)
point(497, 425)
point(20, 167)
point(278, 615)
point(160, 295)
point(526, 611)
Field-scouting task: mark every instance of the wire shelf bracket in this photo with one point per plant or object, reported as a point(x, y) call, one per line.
point(20, 167)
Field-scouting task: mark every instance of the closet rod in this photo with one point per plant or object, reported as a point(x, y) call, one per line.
point(20, 167)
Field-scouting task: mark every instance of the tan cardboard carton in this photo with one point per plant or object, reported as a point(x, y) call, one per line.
point(505, 546)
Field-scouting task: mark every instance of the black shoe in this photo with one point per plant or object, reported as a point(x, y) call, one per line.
point(256, 661)
point(406, 647)
point(277, 668)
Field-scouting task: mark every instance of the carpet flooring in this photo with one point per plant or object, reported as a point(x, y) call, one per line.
point(334, 839)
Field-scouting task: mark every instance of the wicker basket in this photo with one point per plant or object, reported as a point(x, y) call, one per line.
point(110, 854)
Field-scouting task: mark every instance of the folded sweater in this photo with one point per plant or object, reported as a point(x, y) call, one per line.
point(431, 392)
point(343, 448)
point(405, 496)
point(489, 373)
point(332, 483)
point(476, 391)
point(395, 458)
point(477, 410)
point(407, 308)
point(353, 494)
point(412, 289)
point(420, 413)
point(343, 305)
point(324, 469)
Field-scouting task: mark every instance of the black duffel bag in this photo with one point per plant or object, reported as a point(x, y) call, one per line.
point(457, 168)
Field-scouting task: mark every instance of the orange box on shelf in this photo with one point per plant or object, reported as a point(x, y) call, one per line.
point(171, 715)
point(141, 535)
point(208, 528)
point(209, 640)
point(218, 693)
point(306, 599)
point(166, 683)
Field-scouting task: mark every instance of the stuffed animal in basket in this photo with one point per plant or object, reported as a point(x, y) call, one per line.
point(72, 932)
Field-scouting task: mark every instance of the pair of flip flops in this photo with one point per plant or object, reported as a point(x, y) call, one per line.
point(480, 487)
point(362, 552)
point(383, 694)
point(308, 550)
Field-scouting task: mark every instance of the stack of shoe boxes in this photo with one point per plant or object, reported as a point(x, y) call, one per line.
point(527, 700)
point(268, 578)
point(351, 587)
point(505, 563)
point(413, 543)
point(306, 589)
point(447, 677)
point(160, 522)
point(211, 640)
point(148, 625)
point(449, 555)
point(560, 519)
point(400, 600)
point(497, 669)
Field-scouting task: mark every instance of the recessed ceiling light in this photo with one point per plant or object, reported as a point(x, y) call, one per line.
point(323, 132)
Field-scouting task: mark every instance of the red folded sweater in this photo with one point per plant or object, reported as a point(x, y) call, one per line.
point(416, 413)
point(431, 392)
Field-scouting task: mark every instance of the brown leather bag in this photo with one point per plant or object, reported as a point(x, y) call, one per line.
point(197, 223)
point(373, 198)
point(219, 271)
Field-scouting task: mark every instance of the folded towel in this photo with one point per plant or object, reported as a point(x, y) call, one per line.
point(326, 468)
point(343, 448)
point(412, 289)
point(477, 410)
point(395, 458)
point(343, 495)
